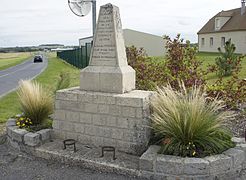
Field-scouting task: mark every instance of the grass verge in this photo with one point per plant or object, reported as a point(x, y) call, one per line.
point(9, 105)
point(8, 60)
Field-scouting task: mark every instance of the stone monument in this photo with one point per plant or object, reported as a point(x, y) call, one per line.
point(105, 110)
point(108, 70)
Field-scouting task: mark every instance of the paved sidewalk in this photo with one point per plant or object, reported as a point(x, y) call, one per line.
point(19, 166)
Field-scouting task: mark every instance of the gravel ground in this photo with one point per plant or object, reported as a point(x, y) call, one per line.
point(19, 166)
point(238, 124)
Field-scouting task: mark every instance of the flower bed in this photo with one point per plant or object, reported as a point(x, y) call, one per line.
point(227, 165)
point(18, 137)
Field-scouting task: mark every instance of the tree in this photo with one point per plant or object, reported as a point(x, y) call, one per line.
point(228, 60)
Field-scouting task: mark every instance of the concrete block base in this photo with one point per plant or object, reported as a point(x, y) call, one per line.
point(104, 119)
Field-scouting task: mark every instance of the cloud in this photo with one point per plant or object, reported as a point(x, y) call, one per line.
point(183, 23)
point(35, 22)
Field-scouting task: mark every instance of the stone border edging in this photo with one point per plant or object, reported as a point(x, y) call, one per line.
point(152, 165)
point(20, 137)
point(229, 164)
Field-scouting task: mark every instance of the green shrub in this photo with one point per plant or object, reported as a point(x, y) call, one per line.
point(228, 60)
point(36, 103)
point(232, 91)
point(149, 74)
point(188, 123)
point(182, 64)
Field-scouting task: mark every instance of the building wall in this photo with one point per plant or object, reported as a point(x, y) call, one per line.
point(238, 38)
point(83, 41)
point(153, 45)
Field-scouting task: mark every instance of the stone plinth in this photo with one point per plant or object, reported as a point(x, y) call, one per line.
point(107, 79)
point(101, 119)
point(108, 70)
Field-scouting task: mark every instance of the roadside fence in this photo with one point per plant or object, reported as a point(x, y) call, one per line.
point(77, 57)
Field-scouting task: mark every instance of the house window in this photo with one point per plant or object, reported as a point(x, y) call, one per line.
point(222, 41)
point(211, 41)
point(203, 41)
point(217, 23)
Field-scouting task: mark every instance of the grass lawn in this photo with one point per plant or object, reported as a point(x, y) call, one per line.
point(9, 105)
point(209, 58)
point(8, 60)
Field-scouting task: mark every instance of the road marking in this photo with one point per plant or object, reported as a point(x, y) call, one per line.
point(15, 66)
point(16, 71)
point(42, 70)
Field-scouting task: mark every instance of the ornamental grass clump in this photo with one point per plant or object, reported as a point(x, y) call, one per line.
point(189, 123)
point(36, 103)
point(63, 81)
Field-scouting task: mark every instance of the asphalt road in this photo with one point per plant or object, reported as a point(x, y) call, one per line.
point(10, 77)
point(19, 166)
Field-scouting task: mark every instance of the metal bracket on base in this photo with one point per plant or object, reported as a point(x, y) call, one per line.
point(245, 134)
point(108, 149)
point(70, 142)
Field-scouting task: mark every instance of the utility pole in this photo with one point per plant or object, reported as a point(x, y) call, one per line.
point(94, 16)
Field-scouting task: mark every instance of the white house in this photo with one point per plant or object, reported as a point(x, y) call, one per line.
point(154, 45)
point(223, 26)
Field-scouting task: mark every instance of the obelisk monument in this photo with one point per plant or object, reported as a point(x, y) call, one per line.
point(108, 70)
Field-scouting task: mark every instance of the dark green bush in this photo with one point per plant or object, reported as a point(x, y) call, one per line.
point(228, 60)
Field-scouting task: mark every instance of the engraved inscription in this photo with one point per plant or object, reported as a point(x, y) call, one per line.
point(104, 53)
point(107, 10)
point(104, 49)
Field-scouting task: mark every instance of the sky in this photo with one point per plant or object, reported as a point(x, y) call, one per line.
point(35, 22)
